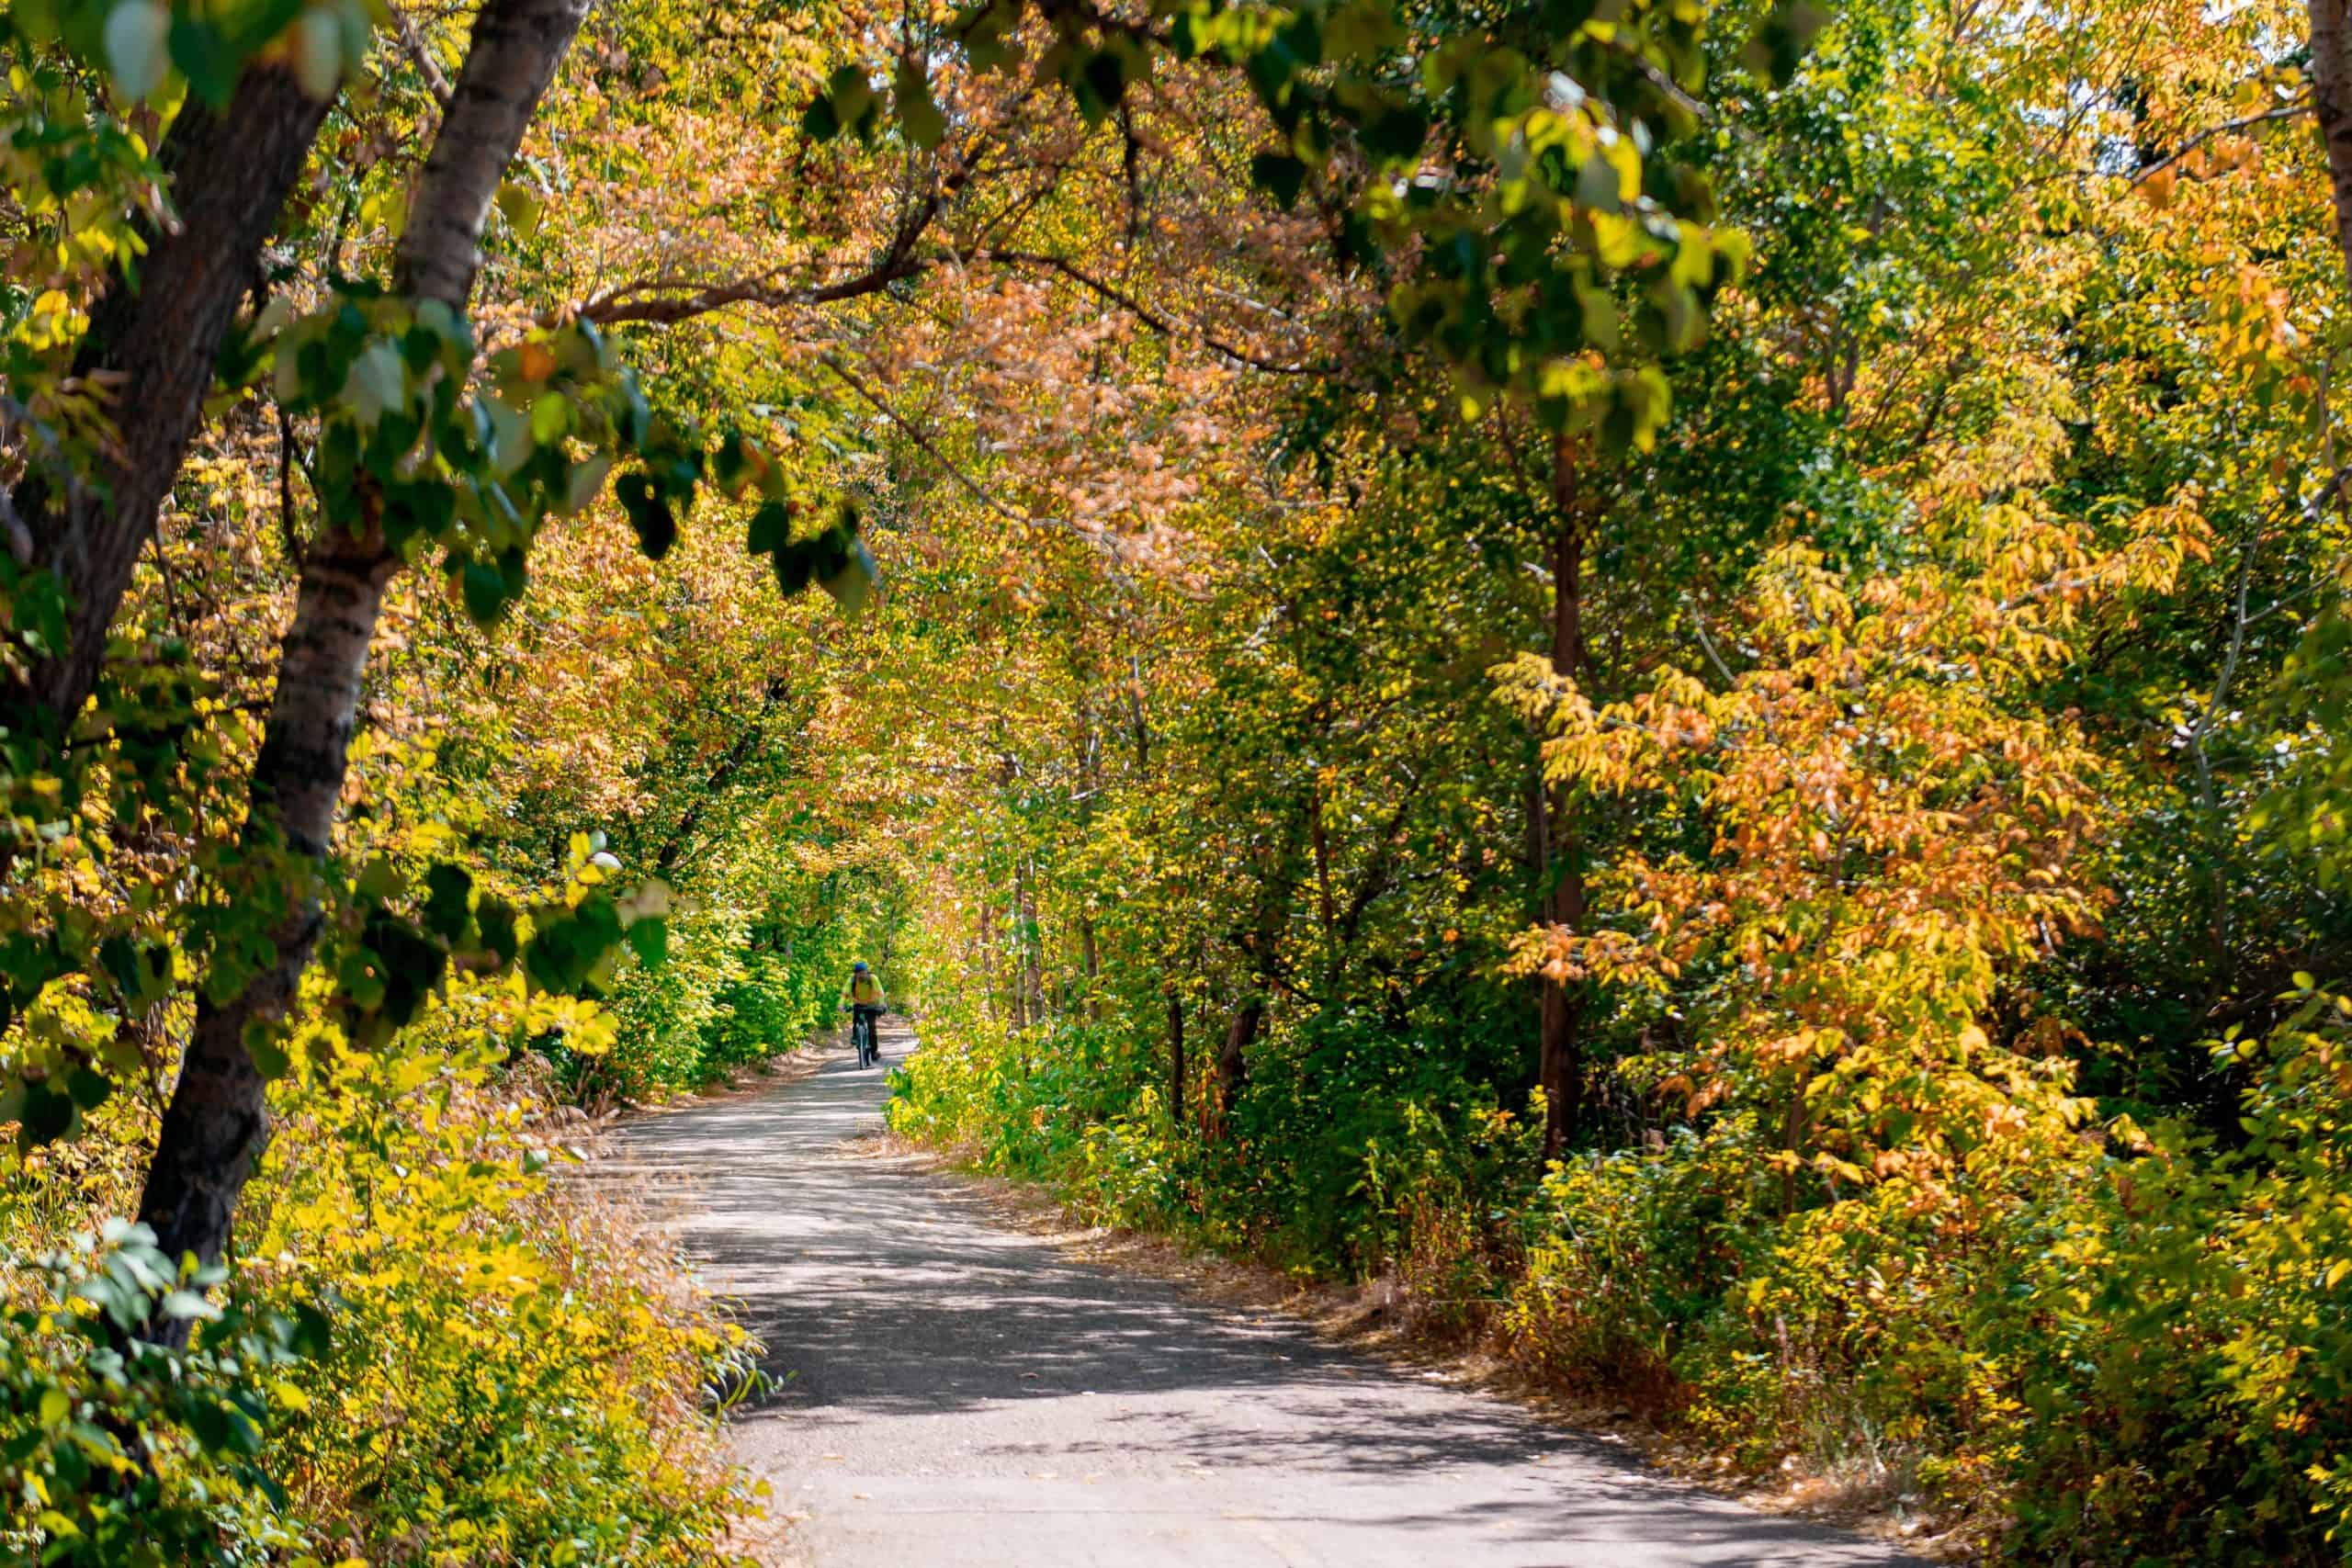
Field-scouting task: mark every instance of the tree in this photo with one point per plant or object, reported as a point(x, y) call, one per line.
point(218, 1117)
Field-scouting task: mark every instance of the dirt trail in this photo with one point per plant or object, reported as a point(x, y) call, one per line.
point(953, 1394)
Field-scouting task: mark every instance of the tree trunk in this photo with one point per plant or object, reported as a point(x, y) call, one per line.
point(1260, 943)
point(1233, 1055)
point(1139, 727)
point(159, 342)
point(1327, 907)
point(732, 761)
point(1560, 1065)
point(2332, 104)
point(992, 965)
point(218, 1120)
point(1090, 959)
point(511, 58)
point(1176, 1085)
point(1033, 942)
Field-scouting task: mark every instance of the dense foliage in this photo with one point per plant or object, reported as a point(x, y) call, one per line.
point(1676, 675)
point(1816, 928)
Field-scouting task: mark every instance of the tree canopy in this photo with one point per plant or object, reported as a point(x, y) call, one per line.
point(1675, 673)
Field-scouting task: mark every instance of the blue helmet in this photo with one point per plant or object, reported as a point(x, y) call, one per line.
point(858, 967)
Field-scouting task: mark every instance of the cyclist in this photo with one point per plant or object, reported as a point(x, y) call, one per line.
point(866, 1006)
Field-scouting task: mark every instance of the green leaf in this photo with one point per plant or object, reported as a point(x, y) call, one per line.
point(136, 35)
point(1781, 40)
point(449, 891)
point(35, 21)
point(204, 55)
point(317, 46)
point(770, 528)
point(483, 587)
point(550, 418)
point(648, 514)
point(1398, 135)
point(853, 584)
point(918, 115)
point(269, 1053)
point(1597, 186)
point(584, 484)
point(494, 920)
point(47, 1115)
point(1279, 173)
point(313, 1332)
point(362, 980)
point(88, 1090)
point(378, 383)
point(522, 207)
point(511, 440)
point(847, 102)
point(188, 1304)
point(732, 463)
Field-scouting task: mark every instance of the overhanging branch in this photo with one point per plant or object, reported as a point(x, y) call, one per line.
point(662, 302)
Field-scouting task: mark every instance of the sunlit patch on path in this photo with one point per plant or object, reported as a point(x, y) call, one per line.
point(952, 1393)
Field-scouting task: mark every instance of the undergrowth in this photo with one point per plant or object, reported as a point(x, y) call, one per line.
point(442, 1344)
point(2138, 1355)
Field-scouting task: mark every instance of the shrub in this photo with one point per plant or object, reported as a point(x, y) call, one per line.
point(518, 1369)
point(498, 1364)
point(116, 1453)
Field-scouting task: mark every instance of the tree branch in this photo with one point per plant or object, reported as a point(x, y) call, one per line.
point(1167, 326)
point(670, 301)
point(413, 42)
point(930, 449)
point(644, 301)
point(2284, 111)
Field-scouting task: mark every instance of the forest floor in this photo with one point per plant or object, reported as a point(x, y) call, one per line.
point(953, 1388)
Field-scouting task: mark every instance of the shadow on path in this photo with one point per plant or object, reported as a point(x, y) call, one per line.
point(952, 1392)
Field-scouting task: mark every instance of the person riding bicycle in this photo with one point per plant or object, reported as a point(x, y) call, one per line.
point(866, 1006)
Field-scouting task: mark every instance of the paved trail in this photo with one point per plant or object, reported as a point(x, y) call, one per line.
point(953, 1394)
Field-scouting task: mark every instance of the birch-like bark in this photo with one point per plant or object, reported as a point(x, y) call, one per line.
point(218, 1120)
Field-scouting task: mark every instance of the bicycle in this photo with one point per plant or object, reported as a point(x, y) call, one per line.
point(862, 1035)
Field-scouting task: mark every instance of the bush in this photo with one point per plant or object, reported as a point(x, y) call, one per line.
point(1376, 1171)
point(518, 1369)
point(2092, 1345)
point(116, 1453)
point(500, 1365)
point(742, 982)
point(2144, 1350)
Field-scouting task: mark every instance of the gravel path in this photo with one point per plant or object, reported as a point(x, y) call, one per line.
point(953, 1394)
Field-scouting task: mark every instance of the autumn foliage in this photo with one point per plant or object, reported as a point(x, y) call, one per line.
point(1672, 676)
